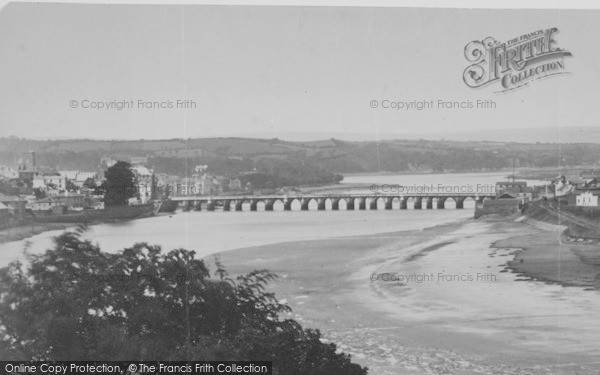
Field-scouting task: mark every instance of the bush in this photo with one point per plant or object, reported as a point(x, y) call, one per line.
point(76, 302)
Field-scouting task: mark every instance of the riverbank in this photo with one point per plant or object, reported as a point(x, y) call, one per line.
point(563, 257)
point(491, 323)
point(30, 230)
point(38, 224)
point(554, 257)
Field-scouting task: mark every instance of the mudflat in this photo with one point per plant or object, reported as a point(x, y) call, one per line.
point(453, 306)
point(553, 257)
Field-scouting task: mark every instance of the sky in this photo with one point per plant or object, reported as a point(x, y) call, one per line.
point(273, 71)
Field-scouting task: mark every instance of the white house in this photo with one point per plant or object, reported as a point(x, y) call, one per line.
point(45, 204)
point(586, 199)
point(563, 188)
point(53, 181)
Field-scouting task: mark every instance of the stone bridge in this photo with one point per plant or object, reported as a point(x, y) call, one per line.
point(352, 201)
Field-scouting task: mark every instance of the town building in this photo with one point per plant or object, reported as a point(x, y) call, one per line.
point(197, 185)
point(592, 184)
point(44, 204)
point(517, 189)
point(72, 202)
point(50, 183)
point(26, 175)
point(9, 172)
point(586, 199)
point(207, 185)
point(504, 204)
point(563, 187)
point(146, 183)
point(24, 169)
point(510, 187)
point(235, 184)
point(586, 195)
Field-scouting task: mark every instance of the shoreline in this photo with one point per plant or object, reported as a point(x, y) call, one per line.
point(553, 261)
point(24, 232)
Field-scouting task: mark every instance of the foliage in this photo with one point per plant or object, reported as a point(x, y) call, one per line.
point(39, 193)
point(75, 302)
point(119, 185)
point(277, 173)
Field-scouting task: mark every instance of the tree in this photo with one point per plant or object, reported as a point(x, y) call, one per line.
point(76, 302)
point(39, 193)
point(71, 187)
point(119, 185)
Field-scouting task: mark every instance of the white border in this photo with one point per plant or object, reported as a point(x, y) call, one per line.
point(470, 4)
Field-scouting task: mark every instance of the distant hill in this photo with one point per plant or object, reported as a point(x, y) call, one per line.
point(525, 135)
point(314, 161)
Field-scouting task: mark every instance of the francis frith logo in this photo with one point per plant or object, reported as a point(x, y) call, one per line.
point(514, 63)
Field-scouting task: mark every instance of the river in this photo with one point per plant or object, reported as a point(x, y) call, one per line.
point(212, 232)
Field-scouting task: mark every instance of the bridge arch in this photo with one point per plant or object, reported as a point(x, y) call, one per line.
point(288, 203)
point(415, 202)
point(351, 203)
point(377, 203)
point(306, 204)
point(440, 202)
point(338, 204)
point(394, 203)
point(239, 204)
point(325, 203)
point(446, 202)
point(466, 202)
point(274, 204)
point(257, 204)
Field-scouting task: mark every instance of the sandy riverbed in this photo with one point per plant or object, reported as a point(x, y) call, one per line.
point(476, 318)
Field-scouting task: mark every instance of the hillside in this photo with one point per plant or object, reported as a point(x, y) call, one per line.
point(230, 156)
point(547, 134)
